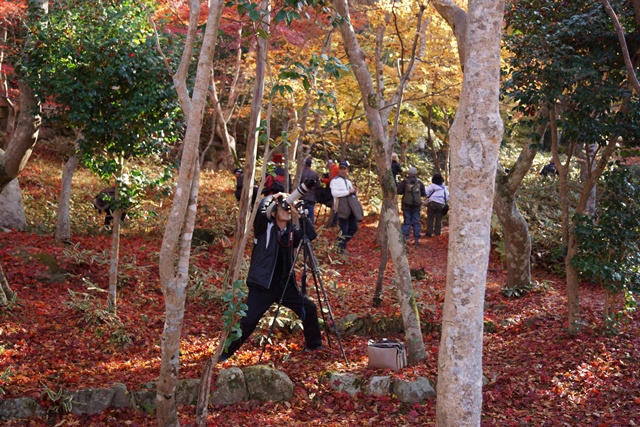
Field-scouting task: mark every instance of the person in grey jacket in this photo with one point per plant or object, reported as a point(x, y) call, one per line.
point(341, 188)
point(270, 276)
point(437, 198)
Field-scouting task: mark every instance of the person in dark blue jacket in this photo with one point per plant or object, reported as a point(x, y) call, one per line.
point(270, 276)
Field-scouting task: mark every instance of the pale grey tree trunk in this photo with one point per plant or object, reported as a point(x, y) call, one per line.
point(63, 221)
point(245, 214)
point(176, 242)
point(114, 259)
point(586, 169)
point(390, 216)
point(475, 141)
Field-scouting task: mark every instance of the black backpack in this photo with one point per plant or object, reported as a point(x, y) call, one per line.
point(411, 196)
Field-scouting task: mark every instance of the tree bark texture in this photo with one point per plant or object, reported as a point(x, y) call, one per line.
point(18, 151)
point(63, 222)
point(573, 279)
point(517, 240)
point(380, 141)
point(245, 215)
point(176, 242)
point(114, 259)
point(475, 140)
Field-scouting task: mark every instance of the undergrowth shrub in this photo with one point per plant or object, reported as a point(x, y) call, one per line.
point(100, 318)
point(609, 242)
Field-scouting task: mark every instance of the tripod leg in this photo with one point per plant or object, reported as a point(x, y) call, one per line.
point(275, 316)
point(320, 288)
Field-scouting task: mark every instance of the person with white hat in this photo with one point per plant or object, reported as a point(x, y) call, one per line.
point(341, 189)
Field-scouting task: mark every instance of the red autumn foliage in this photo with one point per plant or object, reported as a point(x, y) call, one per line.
point(539, 375)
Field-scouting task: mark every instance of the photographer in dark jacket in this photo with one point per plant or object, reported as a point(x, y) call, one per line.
point(275, 240)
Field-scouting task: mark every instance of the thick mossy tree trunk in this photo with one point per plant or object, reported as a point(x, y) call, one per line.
point(517, 240)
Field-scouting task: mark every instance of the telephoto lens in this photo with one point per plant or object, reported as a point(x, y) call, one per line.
point(302, 189)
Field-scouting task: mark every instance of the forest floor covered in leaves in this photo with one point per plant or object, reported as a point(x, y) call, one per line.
point(539, 374)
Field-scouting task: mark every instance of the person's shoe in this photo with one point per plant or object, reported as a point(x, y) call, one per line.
point(417, 242)
point(320, 348)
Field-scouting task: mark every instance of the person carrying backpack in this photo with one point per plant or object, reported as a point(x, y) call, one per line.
point(438, 197)
point(412, 191)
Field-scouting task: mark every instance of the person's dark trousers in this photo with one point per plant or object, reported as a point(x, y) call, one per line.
point(348, 228)
point(260, 299)
point(310, 207)
point(434, 218)
point(411, 219)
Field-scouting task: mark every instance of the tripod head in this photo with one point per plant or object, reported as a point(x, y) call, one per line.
point(303, 212)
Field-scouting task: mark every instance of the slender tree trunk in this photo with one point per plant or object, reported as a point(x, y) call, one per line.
point(114, 258)
point(176, 242)
point(573, 279)
point(475, 141)
point(384, 260)
point(63, 222)
point(380, 141)
point(243, 220)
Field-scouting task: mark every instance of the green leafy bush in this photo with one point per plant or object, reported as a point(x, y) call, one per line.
point(609, 251)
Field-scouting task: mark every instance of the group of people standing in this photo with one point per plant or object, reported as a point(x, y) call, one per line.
point(271, 276)
point(337, 186)
point(414, 195)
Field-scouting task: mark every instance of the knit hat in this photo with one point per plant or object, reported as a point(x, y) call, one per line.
point(308, 162)
point(412, 171)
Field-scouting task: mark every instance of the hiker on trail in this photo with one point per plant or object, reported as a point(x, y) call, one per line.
point(437, 199)
point(549, 170)
point(239, 174)
point(103, 203)
point(412, 191)
point(396, 169)
point(274, 180)
point(332, 172)
point(342, 189)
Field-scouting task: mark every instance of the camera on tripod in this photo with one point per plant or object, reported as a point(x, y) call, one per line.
point(292, 199)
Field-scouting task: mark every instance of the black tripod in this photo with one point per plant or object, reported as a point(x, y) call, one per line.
point(310, 259)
